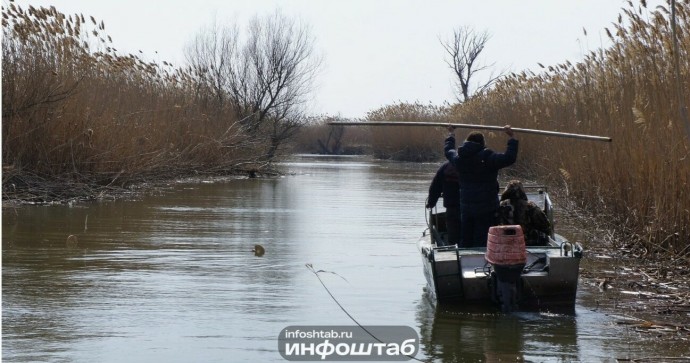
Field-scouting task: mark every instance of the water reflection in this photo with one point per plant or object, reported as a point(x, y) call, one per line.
point(480, 334)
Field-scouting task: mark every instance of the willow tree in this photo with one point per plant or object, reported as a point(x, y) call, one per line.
point(264, 74)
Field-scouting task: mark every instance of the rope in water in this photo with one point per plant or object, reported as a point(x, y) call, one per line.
point(311, 268)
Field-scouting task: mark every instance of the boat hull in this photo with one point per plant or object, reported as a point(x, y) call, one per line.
point(462, 275)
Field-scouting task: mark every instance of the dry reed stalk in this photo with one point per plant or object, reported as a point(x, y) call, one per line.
point(407, 143)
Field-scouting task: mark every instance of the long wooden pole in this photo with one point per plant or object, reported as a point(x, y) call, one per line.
point(469, 126)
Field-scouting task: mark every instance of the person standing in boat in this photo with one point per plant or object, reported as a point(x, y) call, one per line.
point(478, 168)
point(446, 183)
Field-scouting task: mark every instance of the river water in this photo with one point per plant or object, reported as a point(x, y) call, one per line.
point(171, 277)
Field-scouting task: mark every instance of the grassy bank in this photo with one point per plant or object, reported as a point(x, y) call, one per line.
point(78, 117)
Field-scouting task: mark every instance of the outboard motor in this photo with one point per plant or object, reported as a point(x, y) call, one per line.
point(506, 252)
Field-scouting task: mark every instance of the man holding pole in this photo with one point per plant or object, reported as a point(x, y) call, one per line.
point(477, 168)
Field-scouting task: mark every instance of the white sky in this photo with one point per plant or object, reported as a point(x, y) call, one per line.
point(376, 52)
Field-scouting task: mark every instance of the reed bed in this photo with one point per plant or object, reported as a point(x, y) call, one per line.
point(407, 143)
point(390, 143)
point(317, 137)
point(640, 182)
point(79, 116)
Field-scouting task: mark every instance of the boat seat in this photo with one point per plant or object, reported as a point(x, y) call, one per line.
point(438, 224)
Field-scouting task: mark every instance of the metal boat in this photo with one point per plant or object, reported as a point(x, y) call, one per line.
point(546, 281)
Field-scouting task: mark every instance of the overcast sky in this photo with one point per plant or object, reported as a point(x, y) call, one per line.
point(376, 52)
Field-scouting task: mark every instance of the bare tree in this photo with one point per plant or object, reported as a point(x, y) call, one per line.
point(464, 50)
point(210, 56)
point(334, 141)
point(266, 78)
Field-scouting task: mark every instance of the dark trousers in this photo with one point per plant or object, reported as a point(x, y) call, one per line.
point(475, 227)
point(453, 225)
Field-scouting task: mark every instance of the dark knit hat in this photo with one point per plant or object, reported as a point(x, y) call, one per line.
point(476, 136)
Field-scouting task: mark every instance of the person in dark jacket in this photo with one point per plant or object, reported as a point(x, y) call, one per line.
point(478, 168)
point(445, 183)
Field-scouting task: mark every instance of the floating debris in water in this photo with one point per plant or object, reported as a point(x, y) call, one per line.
point(604, 284)
point(259, 250)
point(71, 241)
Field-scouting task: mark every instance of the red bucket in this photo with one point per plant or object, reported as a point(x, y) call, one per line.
point(506, 246)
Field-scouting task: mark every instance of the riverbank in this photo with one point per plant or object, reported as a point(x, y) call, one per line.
point(647, 291)
point(650, 295)
point(20, 189)
point(82, 121)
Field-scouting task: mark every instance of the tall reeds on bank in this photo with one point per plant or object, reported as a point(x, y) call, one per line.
point(317, 137)
point(641, 181)
point(407, 143)
point(75, 111)
point(390, 143)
